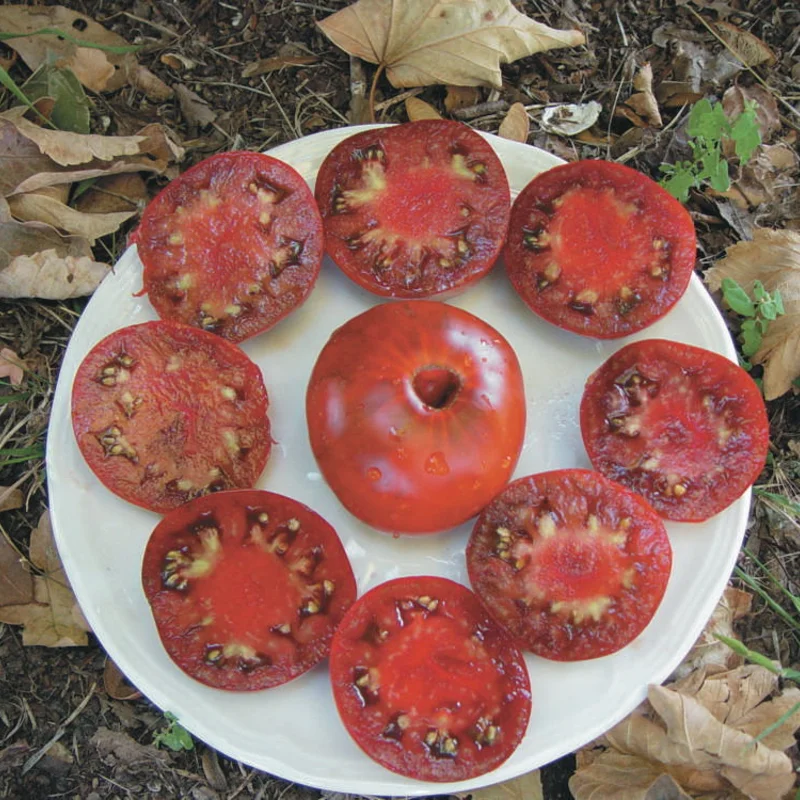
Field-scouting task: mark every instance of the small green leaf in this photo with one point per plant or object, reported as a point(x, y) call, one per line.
point(745, 134)
point(679, 184)
point(759, 292)
point(737, 298)
point(769, 310)
point(751, 338)
point(173, 736)
point(117, 50)
point(778, 300)
point(707, 121)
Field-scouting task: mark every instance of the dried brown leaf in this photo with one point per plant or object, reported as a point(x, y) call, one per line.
point(748, 47)
point(114, 193)
point(37, 207)
point(768, 116)
point(195, 110)
point(149, 83)
point(696, 736)
point(16, 582)
point(731, 695)
point(54, 618)
point(773, 257)
point(760, 718)
point(526, 787)
point(424, 42)
point(67, 148)
point(212, 770)
point(13, 368)
point(458, 97)
point(177, 61)
point(417, 109)
point(125, 749)
point(516, 124)
point(116, 684)
point(266, 65)
point(51, 277)
point(616, 776)
point(98, 70)
point(644, 102)
point(569, 119)
point(733, 605)
point(10, 498)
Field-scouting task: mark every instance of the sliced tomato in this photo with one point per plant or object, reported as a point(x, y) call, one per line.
point(599, 248)
point(572, 564)
point(246, 588)
point(164, 412)
point(414, 210)
point(232, 245)
point(426, 683)
point(681, 425)
point(416, 415)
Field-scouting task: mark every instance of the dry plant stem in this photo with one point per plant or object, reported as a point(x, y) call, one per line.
point(62, 729)
point(398, 98)
point(481, 109)
point(772, 91)
point(372, 89)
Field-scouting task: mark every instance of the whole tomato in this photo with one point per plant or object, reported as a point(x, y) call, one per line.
point(416, 415)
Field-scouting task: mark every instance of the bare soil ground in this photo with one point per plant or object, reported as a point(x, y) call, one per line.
point(62, 733)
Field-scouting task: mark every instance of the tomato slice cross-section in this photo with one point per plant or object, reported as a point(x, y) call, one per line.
point(683, 426)
point(599, 249)
point(246, 588)
point(414, 210)
point(426, 683)
point(232, 245)
point(163, 413)
point(573, 565)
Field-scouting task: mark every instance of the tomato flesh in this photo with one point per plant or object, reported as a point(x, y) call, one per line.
point(232, 245)
point(416, 415)
point(599, 249)
point(414, 210)
point(573, 565)
point(426, 683)
point(246, 588)
point(681, 425)
point(163, 413)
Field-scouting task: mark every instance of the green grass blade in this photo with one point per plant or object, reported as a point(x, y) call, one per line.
point(775, 725)
point(795, 601)
point(751, 655)
point(117, 49)
point(773, 604)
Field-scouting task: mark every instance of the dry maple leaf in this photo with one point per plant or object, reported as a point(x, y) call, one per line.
point(53, 618)
point(423, 42)
point(773, 257)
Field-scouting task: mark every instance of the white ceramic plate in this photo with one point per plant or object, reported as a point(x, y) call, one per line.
point(293, 731)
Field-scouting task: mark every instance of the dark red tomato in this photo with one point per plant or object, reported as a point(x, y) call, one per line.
point(414, 210)
point(683, 426)
point(572, 564)
point(416, 415)
point(232, 245)
point(246, 588)
point(164, 412)
point(426, 683)
point(599, 249)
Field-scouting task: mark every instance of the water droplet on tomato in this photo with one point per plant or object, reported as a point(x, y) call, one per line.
point(437, 464)
point(506, 462)
point(374, 474)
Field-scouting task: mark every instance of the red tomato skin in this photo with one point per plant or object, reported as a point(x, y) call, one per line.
point(427, 204)
point(394, 462)
point(168, 419)
point(721, 404)
point(518, 599)
point(219, 256)
point(464, 668)
point(258, 588)
point(610, 229)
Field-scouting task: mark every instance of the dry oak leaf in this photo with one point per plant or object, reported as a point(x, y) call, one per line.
point(195, 110)
point(417, 109)
point(424, 42)
point(98, 70)
point(516, 124)
point(773, 257)
point(54, 618)
point(748, 47)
